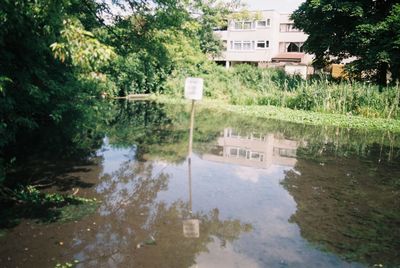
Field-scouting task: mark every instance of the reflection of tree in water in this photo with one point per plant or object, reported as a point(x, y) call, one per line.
point(148, 126)
point(136, 230)
point(160, 131)
point(347, 214)
point(349, 206)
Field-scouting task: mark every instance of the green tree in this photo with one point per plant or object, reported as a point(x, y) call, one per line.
point(38, 90)
point(154, 40)
point(210, 15)
point(366, 29)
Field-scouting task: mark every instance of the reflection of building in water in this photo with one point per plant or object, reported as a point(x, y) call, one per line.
point(254, 150)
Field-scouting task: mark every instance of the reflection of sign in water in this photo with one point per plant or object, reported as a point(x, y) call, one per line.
point(191, 228)
point(194, 88)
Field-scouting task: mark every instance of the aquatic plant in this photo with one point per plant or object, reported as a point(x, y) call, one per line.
point(29, 202)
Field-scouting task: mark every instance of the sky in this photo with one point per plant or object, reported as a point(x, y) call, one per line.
point(279, 5)
point(283, 6)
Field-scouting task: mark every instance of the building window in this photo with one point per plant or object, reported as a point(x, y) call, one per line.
point(261, 44)
point(295, 47)
point(285, 152)
point(224, 45)
point(242, 153)
point(246, 45)
point(256, 136)
point(291, 47)
point(263, 23)
point(238, 153)
point(247, 25)
point(256, 156)
point(232, 133)
point(243, 25)
point(237, 45)
point(233, 151)
point(242, 45)
point(238, 25)
point(288, 27)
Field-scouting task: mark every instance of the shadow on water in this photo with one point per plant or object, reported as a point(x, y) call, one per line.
point(349, 206)
point(50, 160)
point(62, 158)
point(33, 185)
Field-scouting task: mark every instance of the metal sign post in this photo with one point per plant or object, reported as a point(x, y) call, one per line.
point(191, 131)
point(193, 91)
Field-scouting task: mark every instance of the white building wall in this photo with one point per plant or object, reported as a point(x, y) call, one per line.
point(253, 35)
point(275, 43)
point(272, 33)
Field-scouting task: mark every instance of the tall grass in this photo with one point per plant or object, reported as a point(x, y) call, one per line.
point(248, 85)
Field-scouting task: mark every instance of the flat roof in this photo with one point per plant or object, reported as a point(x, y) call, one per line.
point(261, 10)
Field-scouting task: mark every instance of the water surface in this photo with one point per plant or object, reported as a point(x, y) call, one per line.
point(256, 193)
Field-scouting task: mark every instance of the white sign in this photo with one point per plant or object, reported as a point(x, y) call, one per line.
point(191, 228)
point(194, 88)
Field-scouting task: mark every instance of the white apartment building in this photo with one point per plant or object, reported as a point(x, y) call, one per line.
point(269, 40)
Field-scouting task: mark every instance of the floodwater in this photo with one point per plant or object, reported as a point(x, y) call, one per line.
point(256, 193)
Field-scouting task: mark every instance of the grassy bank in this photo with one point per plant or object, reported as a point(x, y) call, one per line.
point(290, 115)
point(248, 85)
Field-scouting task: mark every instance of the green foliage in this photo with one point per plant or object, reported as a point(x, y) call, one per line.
point(245, 15)
point(28, 202)
point(144, 48)
point(249, 85)
point(137, 73)
point(81, 47)
point(38, 90)
point(3, 81)
point(364, 29)
point(67, 264)
point(32, 196)
point(212, 15)
point(166, 39)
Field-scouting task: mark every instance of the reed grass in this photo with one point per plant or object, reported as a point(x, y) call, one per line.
point(248, 85)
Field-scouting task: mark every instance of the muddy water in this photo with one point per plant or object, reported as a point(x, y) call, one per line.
point(256, 193)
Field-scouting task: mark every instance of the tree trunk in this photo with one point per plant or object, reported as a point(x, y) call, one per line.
point(382, 74)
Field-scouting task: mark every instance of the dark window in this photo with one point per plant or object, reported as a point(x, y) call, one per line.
point(293, 47)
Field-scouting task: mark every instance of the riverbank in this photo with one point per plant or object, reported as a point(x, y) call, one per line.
point(249, 85)
point(290, 115)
